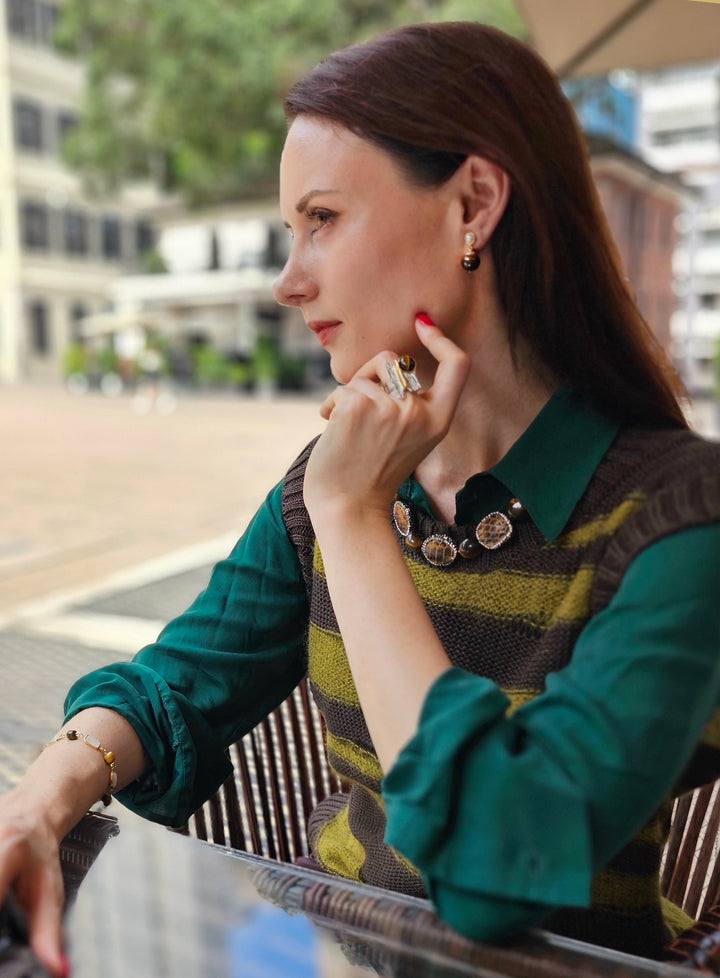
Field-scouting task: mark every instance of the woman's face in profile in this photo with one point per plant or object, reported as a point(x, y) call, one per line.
point(369, 249)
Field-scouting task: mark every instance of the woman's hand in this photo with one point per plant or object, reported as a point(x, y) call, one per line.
point(373, 441)
point(30, 868)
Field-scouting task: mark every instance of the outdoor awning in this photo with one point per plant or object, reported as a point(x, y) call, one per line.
point(591, 37)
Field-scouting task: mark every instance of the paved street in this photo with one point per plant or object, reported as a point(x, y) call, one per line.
point(110, 523)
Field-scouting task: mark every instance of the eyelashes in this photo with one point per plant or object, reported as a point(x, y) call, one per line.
point(317, 218)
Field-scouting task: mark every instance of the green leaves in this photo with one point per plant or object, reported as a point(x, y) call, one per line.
point(191, 93)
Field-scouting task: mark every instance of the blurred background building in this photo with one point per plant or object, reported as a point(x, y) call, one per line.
point(59, 252)
point(87, 285)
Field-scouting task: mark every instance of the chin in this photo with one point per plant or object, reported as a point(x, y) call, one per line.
point(341, 370)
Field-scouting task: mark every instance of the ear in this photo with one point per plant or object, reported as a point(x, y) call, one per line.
point(485, 189)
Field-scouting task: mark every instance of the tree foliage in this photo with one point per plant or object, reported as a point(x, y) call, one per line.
point(190, 93)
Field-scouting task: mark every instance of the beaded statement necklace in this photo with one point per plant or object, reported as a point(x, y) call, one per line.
point(440, 550)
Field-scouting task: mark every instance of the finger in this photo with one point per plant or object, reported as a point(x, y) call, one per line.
point(328, 405)
point(358, 385)
point(453, 363)
point(375, 368)
point(46, 927)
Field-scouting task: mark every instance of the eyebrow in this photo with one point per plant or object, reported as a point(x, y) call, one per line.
point(302, 204)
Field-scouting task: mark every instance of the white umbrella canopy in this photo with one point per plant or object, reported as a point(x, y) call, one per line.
point(592, 37)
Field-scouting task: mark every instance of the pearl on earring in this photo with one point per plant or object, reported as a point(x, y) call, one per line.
point(470, 258)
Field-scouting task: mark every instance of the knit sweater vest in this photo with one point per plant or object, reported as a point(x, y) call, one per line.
point(514, 615)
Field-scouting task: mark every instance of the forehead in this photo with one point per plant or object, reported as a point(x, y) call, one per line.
point(322, 155)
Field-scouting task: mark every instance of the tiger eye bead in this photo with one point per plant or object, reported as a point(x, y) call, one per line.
point(406, 362)
point(493, 530)
point(401, 516)
point(439, 550)
point(469, 548)
point(515, 509)
point(414, 541)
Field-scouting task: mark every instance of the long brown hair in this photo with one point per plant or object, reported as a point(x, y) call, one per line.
point(432, 94)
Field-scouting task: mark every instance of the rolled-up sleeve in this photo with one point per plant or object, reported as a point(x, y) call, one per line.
point(213, 673)
point(508, 816)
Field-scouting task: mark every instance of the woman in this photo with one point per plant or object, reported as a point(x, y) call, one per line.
point(526, 652)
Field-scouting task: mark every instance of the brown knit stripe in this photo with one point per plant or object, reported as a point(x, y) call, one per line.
point(383, 865)
point(695, 501)
point(642, 933)
point(294, 514)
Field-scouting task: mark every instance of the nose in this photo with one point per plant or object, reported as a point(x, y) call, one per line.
point(294, 285)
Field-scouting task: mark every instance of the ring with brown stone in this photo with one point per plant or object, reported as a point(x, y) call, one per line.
point(402, 378)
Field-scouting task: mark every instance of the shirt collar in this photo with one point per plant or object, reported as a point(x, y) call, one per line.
point(548, 468)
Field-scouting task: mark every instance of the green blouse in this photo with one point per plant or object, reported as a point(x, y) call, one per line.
point(500, 835)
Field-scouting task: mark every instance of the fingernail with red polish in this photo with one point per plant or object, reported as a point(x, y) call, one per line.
point(422, 317)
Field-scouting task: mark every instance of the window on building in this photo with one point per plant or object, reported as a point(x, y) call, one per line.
point(78, 311)
point(47, 18)
point(110, 236)
point(21, 18)
point(75, 232)
point(28, 123)
point(144, 237)
point(34, 225)
point(66, 122)
point(39, 327)
point(33, 20)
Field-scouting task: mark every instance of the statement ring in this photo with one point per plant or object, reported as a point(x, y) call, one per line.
point(402, 378)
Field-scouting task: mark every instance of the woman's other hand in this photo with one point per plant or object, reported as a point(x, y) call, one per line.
point(374, 441)
point(30, 869)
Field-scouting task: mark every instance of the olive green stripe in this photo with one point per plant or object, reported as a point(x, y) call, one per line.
point(328, 666)
point(538, 599)
point(605, 524)
point(363, 760)
point(336, 848)
point(615, 890)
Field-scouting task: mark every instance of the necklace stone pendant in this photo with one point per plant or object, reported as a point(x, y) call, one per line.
point(493, 530)
point(439, 550)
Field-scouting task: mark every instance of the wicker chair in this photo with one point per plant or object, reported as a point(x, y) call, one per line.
point(281, 773)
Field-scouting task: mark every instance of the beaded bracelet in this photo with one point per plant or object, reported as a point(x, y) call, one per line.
point(107, 756)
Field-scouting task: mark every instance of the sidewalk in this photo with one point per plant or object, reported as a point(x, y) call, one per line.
point(109, 525)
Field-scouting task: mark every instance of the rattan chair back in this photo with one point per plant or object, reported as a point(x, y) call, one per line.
point(691, 869)
point(280, 774)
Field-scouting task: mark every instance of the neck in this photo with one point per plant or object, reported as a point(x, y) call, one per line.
point(500, 399)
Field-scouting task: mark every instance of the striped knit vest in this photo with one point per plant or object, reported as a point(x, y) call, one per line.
point(514, 615)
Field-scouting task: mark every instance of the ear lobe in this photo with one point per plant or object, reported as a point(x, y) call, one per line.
point(486, 191)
